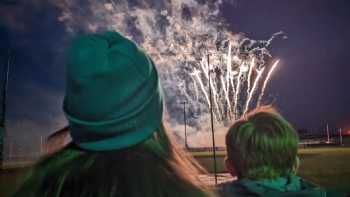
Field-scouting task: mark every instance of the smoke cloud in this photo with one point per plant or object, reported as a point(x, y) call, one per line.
point(177, 34)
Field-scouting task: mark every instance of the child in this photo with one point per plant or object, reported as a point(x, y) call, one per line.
point(262, 153)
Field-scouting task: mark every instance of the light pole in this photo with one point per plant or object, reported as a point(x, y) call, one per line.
point(212, 118)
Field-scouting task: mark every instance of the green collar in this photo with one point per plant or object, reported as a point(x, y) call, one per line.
point(283, 184)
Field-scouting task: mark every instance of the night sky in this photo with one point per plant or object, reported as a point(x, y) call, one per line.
point(310, 87)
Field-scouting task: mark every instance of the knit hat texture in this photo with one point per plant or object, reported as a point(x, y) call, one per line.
point(113, 97)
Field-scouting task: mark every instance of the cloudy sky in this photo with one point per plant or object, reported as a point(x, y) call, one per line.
point(310, 87)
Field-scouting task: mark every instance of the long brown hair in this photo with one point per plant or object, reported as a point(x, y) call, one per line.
point(156, 167)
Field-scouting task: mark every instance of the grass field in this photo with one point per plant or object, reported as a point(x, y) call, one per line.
point(9, 180)
point(328, 167)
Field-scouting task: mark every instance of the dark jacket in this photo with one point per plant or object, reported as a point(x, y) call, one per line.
point(283, 186)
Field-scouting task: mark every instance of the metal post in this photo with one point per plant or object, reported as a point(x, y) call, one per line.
point(10, 151)
point(328, 136)
point(185, 124)
point(3, 133)
point(340, 137)
point(41, 145)
point(212, 119)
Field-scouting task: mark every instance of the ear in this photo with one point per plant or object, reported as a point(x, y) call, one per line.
point(296, 164)
point(231, 167)
point(58, 140)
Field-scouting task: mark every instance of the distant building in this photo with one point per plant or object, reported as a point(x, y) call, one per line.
point(57, 140)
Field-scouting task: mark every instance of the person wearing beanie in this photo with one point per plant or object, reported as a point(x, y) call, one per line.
point(120, 147)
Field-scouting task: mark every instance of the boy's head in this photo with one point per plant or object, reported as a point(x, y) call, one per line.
point(261, 145)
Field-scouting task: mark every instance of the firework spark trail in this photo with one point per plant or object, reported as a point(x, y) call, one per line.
point(228, 79)
point(196, 74)
point(232, 79)
point(213, 89)
point(215, 100)
point(195, 87)
point(266, 81)
point(274, 36)
point(229, 68)
point(252, 91)
point(238, 88)
point(206, 69)
point(265, 43)
point(226, 95)
point(251, 67)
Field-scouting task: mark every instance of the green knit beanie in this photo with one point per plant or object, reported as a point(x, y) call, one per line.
point(113, 98)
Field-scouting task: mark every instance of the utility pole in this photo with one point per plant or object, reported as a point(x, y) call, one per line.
point(4, 87)
point(212, 118)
